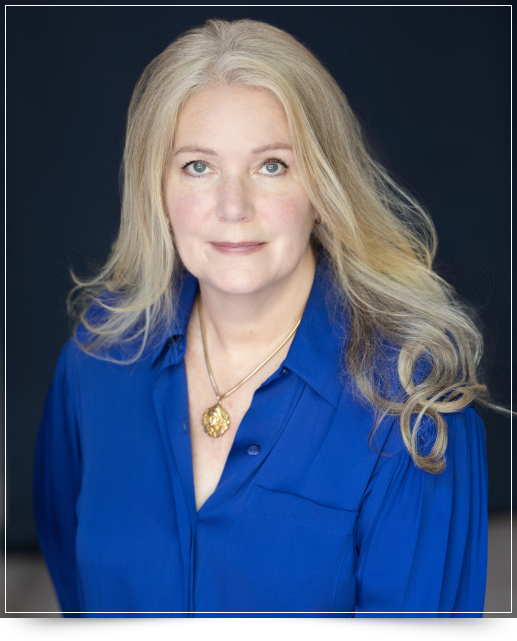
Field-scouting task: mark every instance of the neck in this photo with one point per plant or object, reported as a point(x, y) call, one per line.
point(260, 320)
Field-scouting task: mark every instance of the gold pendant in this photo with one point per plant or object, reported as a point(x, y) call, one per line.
point(216, 420)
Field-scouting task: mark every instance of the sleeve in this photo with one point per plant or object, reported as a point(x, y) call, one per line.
point(421, 538)
point(57, 484)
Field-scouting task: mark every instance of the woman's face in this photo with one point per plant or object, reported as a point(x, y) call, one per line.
point(240, 216)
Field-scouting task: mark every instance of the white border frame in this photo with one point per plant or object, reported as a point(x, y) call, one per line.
point(5, 299)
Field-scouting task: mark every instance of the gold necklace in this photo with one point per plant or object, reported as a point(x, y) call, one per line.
point(216, 419)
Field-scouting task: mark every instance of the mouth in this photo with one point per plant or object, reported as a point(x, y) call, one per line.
point(238, 249)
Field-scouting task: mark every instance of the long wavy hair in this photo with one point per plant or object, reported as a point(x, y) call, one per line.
point(379, 241)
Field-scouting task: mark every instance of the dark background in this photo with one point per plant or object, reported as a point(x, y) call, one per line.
point(431, 86)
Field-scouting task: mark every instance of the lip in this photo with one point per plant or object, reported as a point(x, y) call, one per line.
point(238, 249)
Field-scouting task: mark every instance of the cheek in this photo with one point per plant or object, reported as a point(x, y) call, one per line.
point(186, 211)
point(290, 214)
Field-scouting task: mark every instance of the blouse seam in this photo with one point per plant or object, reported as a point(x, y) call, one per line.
point(339, 573)
point(290, 518)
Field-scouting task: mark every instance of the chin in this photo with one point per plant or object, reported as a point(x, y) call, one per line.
point(237, 281)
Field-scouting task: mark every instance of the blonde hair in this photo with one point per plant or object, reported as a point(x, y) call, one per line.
point(380, 243)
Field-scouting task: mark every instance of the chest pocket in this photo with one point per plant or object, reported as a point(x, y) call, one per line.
point(289, 554)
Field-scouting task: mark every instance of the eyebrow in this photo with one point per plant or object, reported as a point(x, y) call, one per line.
point(210, 152)
point(274, 145)
point(193, 149)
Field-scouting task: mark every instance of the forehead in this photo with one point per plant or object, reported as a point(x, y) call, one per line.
point(227, 114)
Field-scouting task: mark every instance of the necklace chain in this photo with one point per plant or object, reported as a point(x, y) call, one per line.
point(245, 380)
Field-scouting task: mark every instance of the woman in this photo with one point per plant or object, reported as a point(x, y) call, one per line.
point(267, 404)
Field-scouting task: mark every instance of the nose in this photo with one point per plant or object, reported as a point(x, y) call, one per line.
point(234, 200)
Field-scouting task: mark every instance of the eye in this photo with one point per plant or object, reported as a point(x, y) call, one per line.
point(196, 168)
point(274, 167)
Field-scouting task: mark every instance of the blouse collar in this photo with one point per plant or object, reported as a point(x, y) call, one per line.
point(315, 354)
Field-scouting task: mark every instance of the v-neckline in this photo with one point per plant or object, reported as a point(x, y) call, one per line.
point(236, 444)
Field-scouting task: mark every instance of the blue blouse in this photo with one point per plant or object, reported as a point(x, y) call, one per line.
point(307, 518)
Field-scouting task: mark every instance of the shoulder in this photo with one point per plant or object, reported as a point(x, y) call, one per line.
point(108, 333)
point(465, 449)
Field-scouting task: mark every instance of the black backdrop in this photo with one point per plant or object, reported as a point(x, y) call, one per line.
point(430, 85)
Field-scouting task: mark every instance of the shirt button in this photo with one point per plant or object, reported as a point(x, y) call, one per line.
point(253, 450)
point(285, 370)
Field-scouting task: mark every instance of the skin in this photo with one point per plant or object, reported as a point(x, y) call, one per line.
point(251, 301)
